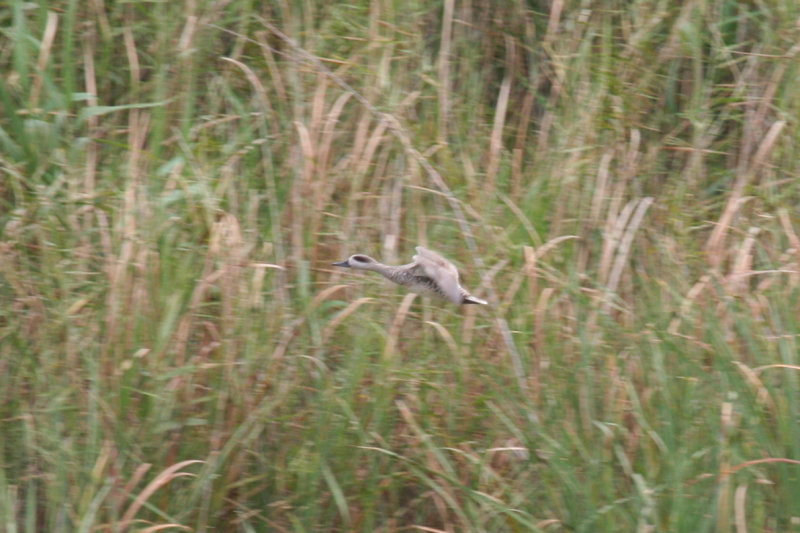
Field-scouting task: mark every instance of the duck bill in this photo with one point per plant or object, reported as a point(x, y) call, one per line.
point(342, 264)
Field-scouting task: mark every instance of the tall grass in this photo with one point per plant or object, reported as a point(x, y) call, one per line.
point(619, 179)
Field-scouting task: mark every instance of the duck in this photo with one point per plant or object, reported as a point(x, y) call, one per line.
point(428, 274)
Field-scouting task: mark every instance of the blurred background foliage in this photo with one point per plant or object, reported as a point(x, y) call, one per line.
point(619, 179)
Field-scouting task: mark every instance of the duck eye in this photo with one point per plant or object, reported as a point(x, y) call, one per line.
point(360, 259)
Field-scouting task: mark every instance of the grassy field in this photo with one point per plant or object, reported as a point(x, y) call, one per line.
point(620, 179)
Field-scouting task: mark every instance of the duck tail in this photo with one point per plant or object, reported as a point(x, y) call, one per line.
point(469, 299)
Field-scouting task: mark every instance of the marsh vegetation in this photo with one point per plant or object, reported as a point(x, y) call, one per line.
point(618, 179)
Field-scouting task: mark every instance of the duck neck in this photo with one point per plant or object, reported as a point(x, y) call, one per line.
point(384, 270)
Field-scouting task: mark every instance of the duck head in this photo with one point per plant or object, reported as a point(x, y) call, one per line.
point(361, 261)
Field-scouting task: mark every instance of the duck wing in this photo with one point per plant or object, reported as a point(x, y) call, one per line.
point(441, 271)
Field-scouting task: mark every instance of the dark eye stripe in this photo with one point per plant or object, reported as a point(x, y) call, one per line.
point(360, 258)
